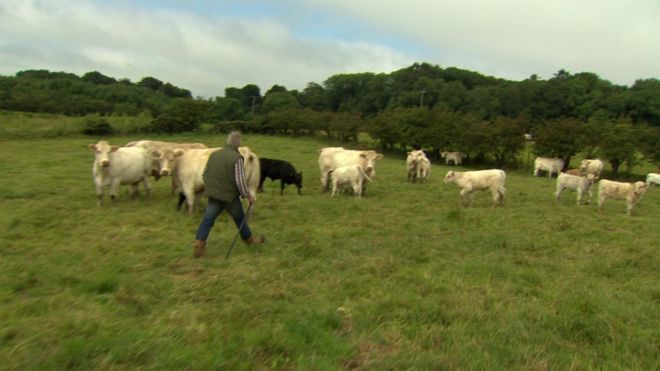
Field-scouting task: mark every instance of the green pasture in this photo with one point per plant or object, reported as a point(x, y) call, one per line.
point(404, 278)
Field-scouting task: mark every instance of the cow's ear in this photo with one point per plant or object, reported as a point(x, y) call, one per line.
point(300, 173)
point(92, 147)
point(114, 148)
point(379, 156)
point(178, 152)
point(363, 155)
point(155, 153)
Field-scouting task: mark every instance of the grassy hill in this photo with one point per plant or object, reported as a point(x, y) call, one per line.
point(404, 278)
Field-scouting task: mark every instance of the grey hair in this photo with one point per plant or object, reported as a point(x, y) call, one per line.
point(234, 139)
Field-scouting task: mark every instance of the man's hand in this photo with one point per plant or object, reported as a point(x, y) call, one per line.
point(251, 199)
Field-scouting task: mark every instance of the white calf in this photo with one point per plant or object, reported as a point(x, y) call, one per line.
point(352, 176)
point(418, 166)
point(593, 167)
point(631, 192)
point(551, 165)
point(470, 181)
point(581, 184)
point(455, 157)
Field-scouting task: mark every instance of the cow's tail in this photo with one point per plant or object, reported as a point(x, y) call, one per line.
point(364, 174)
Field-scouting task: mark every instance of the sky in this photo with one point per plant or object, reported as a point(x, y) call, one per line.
point(207, 46)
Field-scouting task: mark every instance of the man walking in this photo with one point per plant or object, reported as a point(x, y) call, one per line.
point(224, 184)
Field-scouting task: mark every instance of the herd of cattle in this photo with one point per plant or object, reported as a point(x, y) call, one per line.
point(340, 168)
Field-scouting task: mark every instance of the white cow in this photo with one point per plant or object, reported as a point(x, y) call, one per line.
point(551, 165)
point(155, 145)
point(652, 178)
point(418, 166)
point(331, 158)
point(455, 157)
point(351, 175)
point(470, 181)
point(188, 171)
point(581, 184)
point(114, 165)
point(591, 166)
point(631, 192)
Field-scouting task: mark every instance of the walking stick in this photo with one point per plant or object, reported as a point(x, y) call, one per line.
point(247, 214)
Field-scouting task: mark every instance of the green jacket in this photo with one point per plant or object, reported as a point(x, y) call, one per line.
point(219, 176)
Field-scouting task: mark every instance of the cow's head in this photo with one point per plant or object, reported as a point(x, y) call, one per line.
point(368, 159)
point(591, 178)
point(102, 152)
point(165, 158)
point(449, 177)
point(298, 180)
point(640, 188)
point(583, 165)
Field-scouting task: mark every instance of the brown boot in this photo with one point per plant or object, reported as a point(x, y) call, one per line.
point(255, 240)
point(199, 248)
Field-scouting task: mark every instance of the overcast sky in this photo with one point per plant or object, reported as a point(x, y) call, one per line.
point(206, 46)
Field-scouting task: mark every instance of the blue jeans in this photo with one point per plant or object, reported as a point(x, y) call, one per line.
point(213, 209)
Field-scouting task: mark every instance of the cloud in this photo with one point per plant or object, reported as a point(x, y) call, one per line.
point(616, 39)
point(204, 53)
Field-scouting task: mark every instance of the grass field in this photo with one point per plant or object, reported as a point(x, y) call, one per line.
point(403, 279)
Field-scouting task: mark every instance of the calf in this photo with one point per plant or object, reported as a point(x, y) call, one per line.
point(631, 192)
point(591, 166)
point(418, 166)
point(114, 165)
point(652, 178)
point(581, 184)
point(351, 175)
point(551, 165)
point(455, 157)
point(470, 181)
point(279, 169)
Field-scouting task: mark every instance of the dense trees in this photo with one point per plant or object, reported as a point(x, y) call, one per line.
point(437, 108)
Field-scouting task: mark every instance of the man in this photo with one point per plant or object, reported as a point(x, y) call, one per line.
point(224, 182)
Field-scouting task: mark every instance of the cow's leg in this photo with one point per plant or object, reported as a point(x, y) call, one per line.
point(324, 181)
point(134, 191)
point(495, 193)
point(114, 188)
point(260, 188)
point(601, 201)
point(99, 194)
point(182, 199)
point(357, 188)
point(299, 190)
point(147, 186)
point(536, 172)
point(465, 194)
point(334, 187)
point(281, 187)
point(560, 189)
point(189, 193)
point(579, 196)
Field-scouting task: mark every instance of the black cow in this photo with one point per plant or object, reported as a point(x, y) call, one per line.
point(278, 169)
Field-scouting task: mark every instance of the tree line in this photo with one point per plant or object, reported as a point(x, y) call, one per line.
point(426, 105)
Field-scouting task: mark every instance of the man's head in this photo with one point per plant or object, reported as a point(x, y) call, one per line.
point(234, 139)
